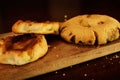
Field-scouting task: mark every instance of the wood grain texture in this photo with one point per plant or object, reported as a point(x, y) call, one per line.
point(60, 55)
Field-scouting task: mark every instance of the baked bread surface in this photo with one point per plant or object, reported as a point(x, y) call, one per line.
point(35, 27)
point(22, 49)
point(90, 29)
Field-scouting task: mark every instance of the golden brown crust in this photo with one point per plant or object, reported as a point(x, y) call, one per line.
point(22, 49)
point(89, 29)
point(35, 27)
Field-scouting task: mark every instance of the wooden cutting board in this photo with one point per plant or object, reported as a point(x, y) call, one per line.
point(60, 55)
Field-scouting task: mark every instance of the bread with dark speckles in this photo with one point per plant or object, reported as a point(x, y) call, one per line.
point(90, 29)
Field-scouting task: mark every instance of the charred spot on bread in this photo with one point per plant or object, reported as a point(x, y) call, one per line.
point(30, 24)
point(72, 39)
point(80, 42)
point(21, 42)
point(89, 41)
point(118, 29)
point(88, 25)
point(62, 28)
point(80, 21)
point(88, 16)
point(70, 33)
point(96, 38)
point(101, 22)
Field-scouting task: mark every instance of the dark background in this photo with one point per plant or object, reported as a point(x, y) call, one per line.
point(52, 10)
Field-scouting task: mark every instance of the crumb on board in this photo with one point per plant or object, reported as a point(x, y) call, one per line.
point(116, 56)
point(106, 57)
point(85, 74)
point(95, 64)
point(110, 58)
point(71, 66)
point(87, 64)
point(63, 74)
point(56, 72)
point(65, 17)
point(103, 66)
point(55, 47)
point(57, 55)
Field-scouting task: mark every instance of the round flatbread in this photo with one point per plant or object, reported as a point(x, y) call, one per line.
point(90, 29)
point(35, 27)
point(22, 49)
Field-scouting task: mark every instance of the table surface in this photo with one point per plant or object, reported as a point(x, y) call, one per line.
point(104, 68)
